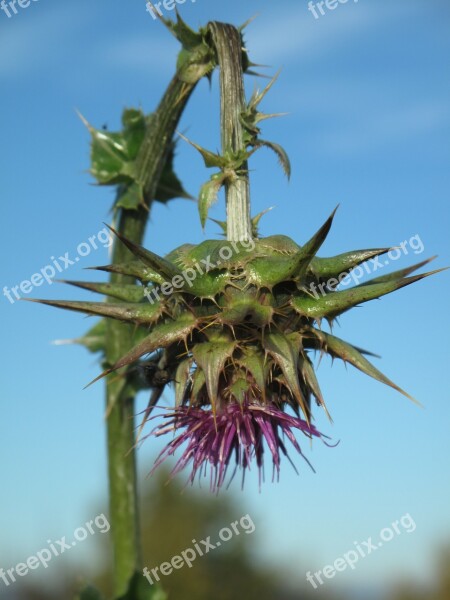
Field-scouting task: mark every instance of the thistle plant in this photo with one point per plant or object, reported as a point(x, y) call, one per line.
point(231, 324)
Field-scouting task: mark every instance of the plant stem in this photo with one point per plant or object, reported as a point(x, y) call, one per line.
point(120, 397)
point(228, 44)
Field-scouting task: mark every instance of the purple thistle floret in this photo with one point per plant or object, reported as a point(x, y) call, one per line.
point(238, 430)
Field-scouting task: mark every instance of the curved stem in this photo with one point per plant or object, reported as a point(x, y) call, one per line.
point(228, 44)
point(120, 397)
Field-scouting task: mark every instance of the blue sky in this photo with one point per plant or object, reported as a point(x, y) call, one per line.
point(366, 87)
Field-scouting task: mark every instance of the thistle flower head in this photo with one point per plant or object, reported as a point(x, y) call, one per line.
point(233, 327)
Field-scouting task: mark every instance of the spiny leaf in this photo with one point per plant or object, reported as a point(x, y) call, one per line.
point(121, 291)
point(150, 259)
point(240, 388)
point(221, 253)
point(134, 269)
point(336, 303)
point(221, 224)
point(310, 249)
point(114, 156)
point(162, 335)
point(289, 260)
point(198, 381)
point(268, 272)
point(309, 376)
point(246, 24)
point(399, 274)
point(113, 153)
point(246, 309)
point(134, 123)
point(258, 95)
point(208, 195)
point(211, 159)
point(263, 116)
point(246, 62)
point(181, 380)
point(208, 285)
point(184, 34)
point(326, 268)
point(276, 260)
point(177, 256)
point(255, 73)
point(278, 244)
point(314, 344)
point(253, 360)
point(142, 314)
point(211, 358)
point(279, 151)
point(366, 352)
point(256, 219)
point(285, 353)
point(348, 353)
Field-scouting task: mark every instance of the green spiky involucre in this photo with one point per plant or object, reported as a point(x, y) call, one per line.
point(238, 321)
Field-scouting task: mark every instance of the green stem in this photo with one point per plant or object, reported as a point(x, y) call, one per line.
point(120, 397)
point(228, 44)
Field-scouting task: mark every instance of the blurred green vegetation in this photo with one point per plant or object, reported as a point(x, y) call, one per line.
point(441, 588)
point(173, 517)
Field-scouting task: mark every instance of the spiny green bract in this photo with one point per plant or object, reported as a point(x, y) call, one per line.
point(237, 321)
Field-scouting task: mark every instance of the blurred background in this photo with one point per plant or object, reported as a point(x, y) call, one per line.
point(366, 87)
